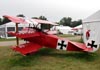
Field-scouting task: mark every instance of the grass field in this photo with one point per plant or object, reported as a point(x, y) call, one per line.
point(66, 35)
point(4, 39)
point(49, 59)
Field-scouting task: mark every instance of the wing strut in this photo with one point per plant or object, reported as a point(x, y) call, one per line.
point(17, 39)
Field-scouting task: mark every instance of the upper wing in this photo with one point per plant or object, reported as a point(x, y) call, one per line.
point(15, 19)
point(44, 22)
point(22, 20)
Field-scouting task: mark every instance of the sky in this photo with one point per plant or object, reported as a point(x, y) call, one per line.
point(53, 10)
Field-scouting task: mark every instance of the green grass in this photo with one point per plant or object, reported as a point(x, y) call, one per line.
point(78, 40)
point(4, 39)
point(49, 59)
point(12, 39)
point(66, 35)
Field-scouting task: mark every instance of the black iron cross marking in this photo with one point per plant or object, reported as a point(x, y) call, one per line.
point(62, 44)
point(92, 45)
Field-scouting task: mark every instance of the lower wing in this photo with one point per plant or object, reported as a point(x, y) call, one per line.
point(27, 48)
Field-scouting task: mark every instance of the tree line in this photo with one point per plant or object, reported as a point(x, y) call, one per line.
point(65, 21)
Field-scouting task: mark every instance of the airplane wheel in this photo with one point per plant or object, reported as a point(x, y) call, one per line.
point(28, 54)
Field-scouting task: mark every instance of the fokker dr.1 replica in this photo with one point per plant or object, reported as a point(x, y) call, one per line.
point(37, 38)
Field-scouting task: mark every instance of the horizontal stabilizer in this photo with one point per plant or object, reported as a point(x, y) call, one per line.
point(78, 47)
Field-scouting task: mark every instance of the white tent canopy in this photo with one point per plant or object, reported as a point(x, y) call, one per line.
point(91, 30)
point(93, 18)
point(63, 29)
point(12, 24)
point(78, 30)
point(79, 26)
point(10, 27)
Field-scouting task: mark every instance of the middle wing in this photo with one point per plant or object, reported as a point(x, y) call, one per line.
point(25, 33)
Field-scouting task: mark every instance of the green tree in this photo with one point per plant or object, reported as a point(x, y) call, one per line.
point(20, 15)
point(66, 21)
point(69, 20)
point(76, 23)
point(5, 20)
point(0, 20)
point(35, 18)
point(44, 26)
point(63, 21)
point(43, 18)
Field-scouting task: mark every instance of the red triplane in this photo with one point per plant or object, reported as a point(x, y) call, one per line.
point(36, 38)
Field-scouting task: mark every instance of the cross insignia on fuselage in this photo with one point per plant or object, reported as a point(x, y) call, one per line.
point(62, 45)
point(92, 44)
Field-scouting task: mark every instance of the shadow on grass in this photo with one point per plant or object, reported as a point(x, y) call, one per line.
point(19, 60)
point(84, 56)
point(81, 56)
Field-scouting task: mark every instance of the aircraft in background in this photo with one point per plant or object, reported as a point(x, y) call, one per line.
point(37, 38)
